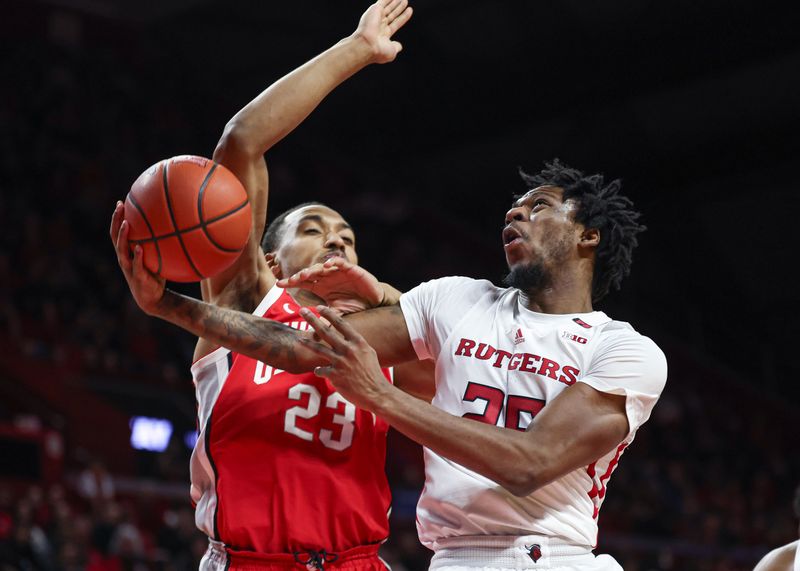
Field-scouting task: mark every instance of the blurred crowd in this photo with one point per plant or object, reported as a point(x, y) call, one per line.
point(90, 527)
point(707, 485)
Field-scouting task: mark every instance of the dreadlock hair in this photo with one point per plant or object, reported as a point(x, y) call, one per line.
point(602, 207)
point(274, 231)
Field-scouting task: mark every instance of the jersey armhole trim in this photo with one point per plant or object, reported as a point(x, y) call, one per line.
point(203, 362)
point(272, 296)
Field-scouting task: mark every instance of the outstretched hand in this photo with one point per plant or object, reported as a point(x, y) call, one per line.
point(354, 368)
point(344, 286)
point(379, 23)
point(146, 287)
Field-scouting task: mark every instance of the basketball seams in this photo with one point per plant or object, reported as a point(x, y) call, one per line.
point(203, 225)
point(149, 228)
point(175, 224)
point(209, 223)
point(201, 193)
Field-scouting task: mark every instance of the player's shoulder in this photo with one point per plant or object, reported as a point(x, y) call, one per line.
point(779, 559)
point(621, 332)
point(620, 337)
point(453, 282)
point(462, 285)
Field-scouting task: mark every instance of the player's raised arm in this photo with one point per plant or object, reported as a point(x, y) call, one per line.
point(248, 135)
point(276, 112)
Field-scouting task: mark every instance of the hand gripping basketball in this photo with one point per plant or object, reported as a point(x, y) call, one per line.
point(146, 287)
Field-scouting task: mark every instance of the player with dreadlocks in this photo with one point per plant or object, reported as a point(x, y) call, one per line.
point(557, 388)
point(602, 207)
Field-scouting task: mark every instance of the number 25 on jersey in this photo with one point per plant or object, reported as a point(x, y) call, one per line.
point(516, 406)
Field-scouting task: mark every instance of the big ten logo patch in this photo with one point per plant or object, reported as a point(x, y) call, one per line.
point(573, 337)
point(264, 372)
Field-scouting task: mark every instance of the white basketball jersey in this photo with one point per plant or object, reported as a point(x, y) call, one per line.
point(500, 363)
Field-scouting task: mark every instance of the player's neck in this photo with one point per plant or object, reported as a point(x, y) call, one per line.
point(559, 299)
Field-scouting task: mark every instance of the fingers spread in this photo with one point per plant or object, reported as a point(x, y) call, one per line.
point(328, 267)
point(390, 5)
point(396, 9)
point(339, 323)
point(319, 349)
point(325, 332)
point(401, 20)
point(309, 277)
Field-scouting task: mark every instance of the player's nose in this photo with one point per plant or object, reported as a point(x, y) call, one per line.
point(515, 213)
point(334, 240)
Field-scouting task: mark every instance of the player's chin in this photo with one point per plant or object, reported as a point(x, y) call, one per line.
point(515, 258)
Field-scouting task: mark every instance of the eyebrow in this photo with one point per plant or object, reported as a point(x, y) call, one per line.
point(534, 192)
point(318, 219)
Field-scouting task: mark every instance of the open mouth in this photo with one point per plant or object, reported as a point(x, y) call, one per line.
point(511, 236)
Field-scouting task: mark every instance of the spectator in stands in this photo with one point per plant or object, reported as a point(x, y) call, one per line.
point(95, 484)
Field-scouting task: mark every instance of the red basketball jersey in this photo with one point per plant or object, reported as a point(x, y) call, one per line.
point(283, 462)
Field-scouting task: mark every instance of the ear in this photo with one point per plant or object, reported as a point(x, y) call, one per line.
point(590, 238)
point(273, 264)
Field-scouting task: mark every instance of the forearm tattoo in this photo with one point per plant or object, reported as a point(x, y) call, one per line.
point(268, 341)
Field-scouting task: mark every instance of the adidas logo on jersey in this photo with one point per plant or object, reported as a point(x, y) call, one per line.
point(519, 337)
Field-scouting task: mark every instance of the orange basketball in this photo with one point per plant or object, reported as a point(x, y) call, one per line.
point(191, 217)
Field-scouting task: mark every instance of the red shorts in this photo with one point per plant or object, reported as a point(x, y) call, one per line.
point(364, 558)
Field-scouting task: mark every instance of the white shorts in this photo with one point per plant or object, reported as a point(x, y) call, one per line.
point(497, 553)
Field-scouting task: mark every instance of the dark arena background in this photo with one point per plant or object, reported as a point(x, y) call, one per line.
point(695, 105)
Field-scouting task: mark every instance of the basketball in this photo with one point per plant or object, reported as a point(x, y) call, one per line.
point(190, 215)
